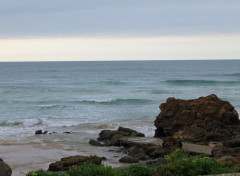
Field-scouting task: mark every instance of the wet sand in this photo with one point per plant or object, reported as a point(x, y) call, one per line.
point(23, 158)
point(30, 157)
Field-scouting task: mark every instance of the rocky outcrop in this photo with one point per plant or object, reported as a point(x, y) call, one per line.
point(199, 120)
point(112, 137)
point(171, 143)
point(229, 148)
point(136, 150)
point(5, 170)
point(221, 151)
point(66, 163)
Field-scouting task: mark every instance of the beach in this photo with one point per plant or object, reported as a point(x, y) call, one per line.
point(75, 101)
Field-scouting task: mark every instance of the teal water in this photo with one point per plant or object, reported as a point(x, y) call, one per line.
point(89, 96)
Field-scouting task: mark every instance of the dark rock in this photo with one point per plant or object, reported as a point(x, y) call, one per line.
point(38, 132)
point(199, 120)
point(103, 158)
point(68, 132)
point(138, 152)
point(95, 143)
point(170, 142)
point(41, 132)
point(221, 151)
point(131, 132)
point(5, 170)
point(52, 133)
point(66, 163)
point(232, 143)
point(112, 137)
point(128, 159)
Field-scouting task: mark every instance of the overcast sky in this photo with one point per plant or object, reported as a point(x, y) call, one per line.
point(27, 21)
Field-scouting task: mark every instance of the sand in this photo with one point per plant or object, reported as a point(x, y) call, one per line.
point(23, 158)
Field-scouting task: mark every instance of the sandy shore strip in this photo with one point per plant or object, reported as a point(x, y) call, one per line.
point(23, 158)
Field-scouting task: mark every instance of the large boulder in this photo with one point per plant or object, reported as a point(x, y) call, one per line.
point(5, 170)
point(199, 120)
point(67, 163)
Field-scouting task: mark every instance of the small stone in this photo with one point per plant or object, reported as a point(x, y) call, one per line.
point(38, 132)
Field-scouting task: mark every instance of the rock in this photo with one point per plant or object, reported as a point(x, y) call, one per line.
point(66, 163)
point(38, 132)
point(128, 159)
point(95, 143)
point(131, 132)
point(232, 143)
point(170, 142)
point(199, 120)
point(5, 170)
point(112, 137)
point(138, 153)
point(68, 132)
point(221, 151)
point(41, 132)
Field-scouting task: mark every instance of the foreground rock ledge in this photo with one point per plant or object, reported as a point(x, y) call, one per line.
point(199, 120)
point(5, 170)
point(66, 163)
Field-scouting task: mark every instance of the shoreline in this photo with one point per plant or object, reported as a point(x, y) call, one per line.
point(23, 158)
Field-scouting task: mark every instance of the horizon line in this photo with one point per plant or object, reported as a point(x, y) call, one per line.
point(122, 60)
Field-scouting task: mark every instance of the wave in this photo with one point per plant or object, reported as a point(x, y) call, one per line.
point(25, 122)
point(232, 74)
point(53, 106)
point(115, 101)
point(200, 82)
point(6, 123)
point(114, 83)
point(61, 104)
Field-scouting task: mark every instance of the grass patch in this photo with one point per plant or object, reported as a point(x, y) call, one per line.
point(177, 164)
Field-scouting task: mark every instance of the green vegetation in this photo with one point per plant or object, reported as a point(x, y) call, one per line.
point(89, 169)
point(177, 164)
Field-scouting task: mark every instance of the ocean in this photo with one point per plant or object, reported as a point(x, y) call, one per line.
point(85, 97)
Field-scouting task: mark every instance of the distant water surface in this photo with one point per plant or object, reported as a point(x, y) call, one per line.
point(85, 97)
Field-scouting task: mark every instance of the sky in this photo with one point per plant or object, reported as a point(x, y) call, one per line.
point(72, 30)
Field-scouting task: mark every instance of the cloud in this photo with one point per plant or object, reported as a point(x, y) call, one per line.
point(57, 18)
point(144, 48)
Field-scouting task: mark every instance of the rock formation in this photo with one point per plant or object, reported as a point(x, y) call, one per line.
point(66, 163)
point(136, 151)
point(199, 120)
point(5, 170)
point(112, 137)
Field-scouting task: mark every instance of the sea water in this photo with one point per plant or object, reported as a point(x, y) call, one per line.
point(86, 97)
